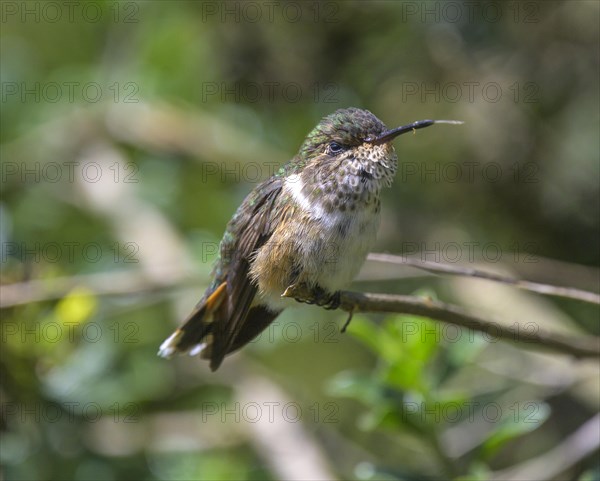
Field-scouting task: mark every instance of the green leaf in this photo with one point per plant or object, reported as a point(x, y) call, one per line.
point(367, 332)
point(77, 306)
point(407, 375)
point(521, 418)
point(361, 387)
point(478, 471)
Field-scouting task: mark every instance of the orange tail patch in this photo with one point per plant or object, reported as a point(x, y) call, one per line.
point(194, 336)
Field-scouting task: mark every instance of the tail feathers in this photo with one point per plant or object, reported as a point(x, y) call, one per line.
point(208, 332)
point(169, 346)
point(195, 336)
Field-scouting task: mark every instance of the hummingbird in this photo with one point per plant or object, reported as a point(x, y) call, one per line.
point(309, 227)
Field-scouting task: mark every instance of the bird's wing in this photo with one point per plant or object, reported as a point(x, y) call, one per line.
point(224, 319)
point(249, 229)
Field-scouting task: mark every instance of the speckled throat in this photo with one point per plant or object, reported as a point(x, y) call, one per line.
point(350, 182)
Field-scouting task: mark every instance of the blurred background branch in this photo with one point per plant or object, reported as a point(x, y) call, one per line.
point(567, 292)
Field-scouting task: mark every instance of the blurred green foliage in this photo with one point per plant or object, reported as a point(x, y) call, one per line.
point(408, 391)
point(131, 131)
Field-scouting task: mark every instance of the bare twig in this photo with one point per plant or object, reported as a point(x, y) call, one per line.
point(104, 284)
point(559, 459)
point(568, 292)
point(135, 282)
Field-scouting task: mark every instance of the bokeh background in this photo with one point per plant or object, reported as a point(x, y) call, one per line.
point(131, 131)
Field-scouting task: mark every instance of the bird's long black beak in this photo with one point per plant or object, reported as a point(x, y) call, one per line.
point(390, 135)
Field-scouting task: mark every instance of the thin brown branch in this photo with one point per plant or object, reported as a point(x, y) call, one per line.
point(577, 346)
point(546, 289)
point(124, 283)
point(352, 302)
point(103, 284)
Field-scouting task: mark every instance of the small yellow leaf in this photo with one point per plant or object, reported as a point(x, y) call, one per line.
point(77, 306)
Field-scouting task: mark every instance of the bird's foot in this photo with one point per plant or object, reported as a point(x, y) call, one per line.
point(301, 292)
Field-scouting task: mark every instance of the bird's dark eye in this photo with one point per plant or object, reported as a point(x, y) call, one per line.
point(335, 148)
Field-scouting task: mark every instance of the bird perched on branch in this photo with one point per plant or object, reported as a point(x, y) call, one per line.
point(308, 228)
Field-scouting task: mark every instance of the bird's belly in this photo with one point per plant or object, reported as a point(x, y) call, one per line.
point(325, 251)
point(335, 257)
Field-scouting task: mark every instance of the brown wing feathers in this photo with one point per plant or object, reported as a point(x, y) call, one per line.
point(236, 327)
point(225, 321)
